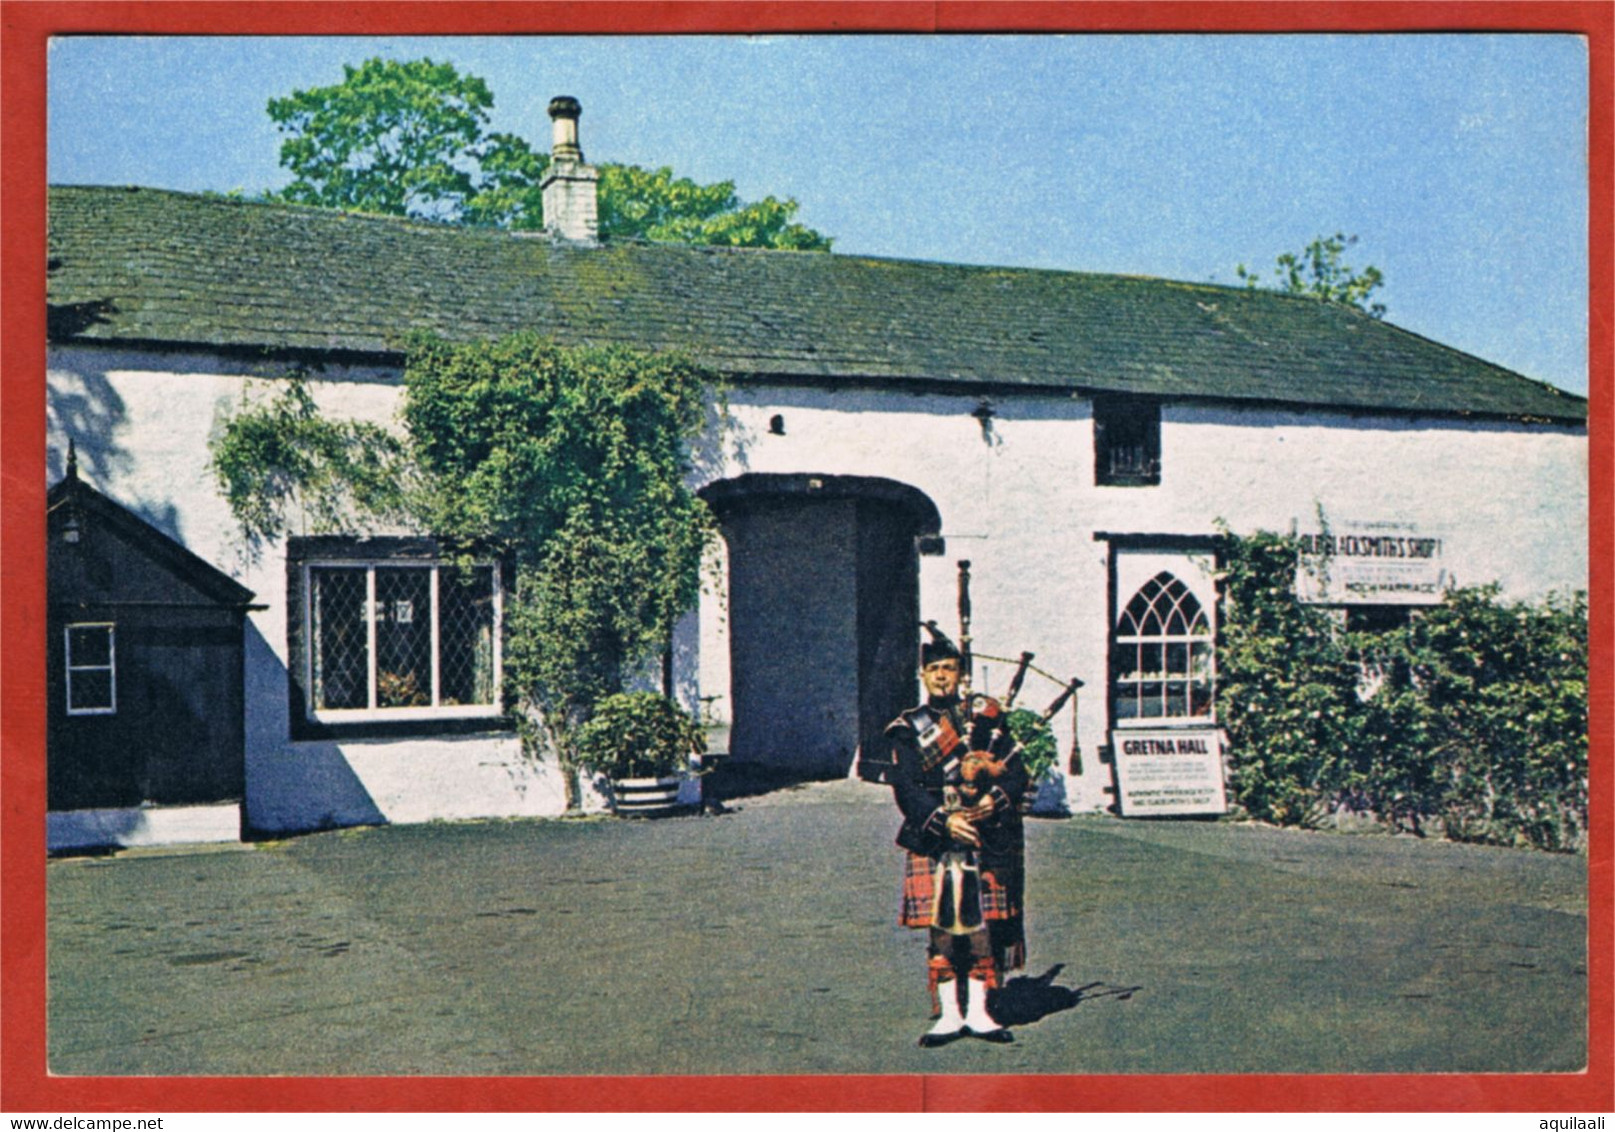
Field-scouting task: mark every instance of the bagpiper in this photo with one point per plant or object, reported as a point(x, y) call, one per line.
point(958, 779)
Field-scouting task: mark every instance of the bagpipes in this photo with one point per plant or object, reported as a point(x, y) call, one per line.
point(1022, 666)
point(937, 740)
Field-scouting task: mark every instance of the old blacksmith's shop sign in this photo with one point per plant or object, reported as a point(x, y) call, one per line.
point(1372, 563)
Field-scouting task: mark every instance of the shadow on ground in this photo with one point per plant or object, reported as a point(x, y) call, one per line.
point(749, 780)
point(1032, 998)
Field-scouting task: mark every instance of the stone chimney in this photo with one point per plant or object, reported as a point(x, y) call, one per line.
point(571, 211)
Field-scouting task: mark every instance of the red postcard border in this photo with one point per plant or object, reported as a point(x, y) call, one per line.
point(24, 31)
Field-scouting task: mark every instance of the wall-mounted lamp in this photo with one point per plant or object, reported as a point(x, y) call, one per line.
point(72, 522)
point(984, 414)
point(776, 424)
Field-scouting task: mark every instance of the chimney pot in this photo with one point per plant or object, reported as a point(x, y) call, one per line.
point(571, 206)
point(564, 114)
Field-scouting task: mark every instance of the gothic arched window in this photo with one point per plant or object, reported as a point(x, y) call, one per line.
point(1163, 654)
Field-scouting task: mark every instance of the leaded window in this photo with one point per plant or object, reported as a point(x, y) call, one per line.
point(1163, 655)
point(402, 639)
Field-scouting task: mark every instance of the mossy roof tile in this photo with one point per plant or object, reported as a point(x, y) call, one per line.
point(178, 269)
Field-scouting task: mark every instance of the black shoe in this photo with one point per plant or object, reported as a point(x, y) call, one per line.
point(932, 1041)
point(999, 1036)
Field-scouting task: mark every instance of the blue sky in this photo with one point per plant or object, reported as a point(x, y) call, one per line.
point(1459, 160)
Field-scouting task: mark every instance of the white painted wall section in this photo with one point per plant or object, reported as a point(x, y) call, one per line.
point(1016, 495)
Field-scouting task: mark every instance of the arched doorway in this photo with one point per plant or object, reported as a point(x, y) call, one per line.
point(823, 614)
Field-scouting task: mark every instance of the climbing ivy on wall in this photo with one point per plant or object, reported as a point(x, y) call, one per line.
point(282, 466)
point(1286, 688)
point(569, 464)
point(1470, 720)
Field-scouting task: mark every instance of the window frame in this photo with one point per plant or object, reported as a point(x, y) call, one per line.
point(1120, 641)
point(1141, 413)
point(110, 667)
point(371, 713)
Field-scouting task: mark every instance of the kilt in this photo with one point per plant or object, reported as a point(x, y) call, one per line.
point(1000, 892)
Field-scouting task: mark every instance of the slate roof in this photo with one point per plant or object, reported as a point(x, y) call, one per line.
point(158, 267)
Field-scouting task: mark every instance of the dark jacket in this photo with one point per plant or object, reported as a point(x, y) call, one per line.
point(928, 743)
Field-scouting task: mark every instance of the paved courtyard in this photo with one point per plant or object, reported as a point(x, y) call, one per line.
point(764, 941)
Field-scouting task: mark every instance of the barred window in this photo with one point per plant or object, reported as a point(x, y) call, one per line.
point(1127, 441)
point(1163, 655)
point(401, 640)
point(92, 669)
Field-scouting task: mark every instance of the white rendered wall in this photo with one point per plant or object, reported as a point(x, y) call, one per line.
point(141, 422)
point(1016, 497)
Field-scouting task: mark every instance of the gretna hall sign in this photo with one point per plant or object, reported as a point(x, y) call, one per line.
point(1169, 771)
point(1379, 563)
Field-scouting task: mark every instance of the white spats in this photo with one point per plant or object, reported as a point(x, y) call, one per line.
point(951, 1023)
point(977, 1019)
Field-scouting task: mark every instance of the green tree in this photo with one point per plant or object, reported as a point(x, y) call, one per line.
point(410, 139)
point(567, 464)
point(656, 205)
point(1320, 272)
point(392, 137)
point(508, 193)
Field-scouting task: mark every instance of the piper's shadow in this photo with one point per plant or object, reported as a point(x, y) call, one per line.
point(1031, 998)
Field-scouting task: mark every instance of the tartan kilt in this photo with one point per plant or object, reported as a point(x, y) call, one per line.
point(1000, 891)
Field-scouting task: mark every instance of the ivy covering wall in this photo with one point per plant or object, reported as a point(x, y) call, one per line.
point(1469, 721)
point(568, 464)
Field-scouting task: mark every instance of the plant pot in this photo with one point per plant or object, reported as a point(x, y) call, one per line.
point(645, 797)
point(1047, 797)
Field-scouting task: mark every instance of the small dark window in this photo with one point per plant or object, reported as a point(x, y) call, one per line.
point(1376, 618)
point(1127, 441)
point(92, 670)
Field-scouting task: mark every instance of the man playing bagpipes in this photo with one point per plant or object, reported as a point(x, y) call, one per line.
point(958, 779)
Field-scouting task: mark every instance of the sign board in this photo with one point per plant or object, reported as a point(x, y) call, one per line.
point(1169, 771)
point(1379, 563)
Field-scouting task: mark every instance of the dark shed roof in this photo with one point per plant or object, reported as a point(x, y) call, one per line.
point(151, 266)
point(150, 567)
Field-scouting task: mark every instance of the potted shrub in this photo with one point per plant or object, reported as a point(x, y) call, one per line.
point(640, 742)
point(1040, 754)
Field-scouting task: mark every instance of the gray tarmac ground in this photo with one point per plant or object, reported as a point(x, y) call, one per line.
point(764, 941)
